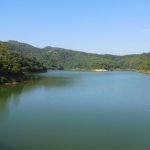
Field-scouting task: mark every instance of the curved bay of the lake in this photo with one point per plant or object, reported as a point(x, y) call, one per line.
point(71, 110)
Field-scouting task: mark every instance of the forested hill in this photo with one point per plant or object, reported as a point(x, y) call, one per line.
point(15, 67)
point(17, 59)
point(59, 58)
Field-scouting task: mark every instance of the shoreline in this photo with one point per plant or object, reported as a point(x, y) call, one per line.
point(11, 80)
point(144, 71)
point(26, 78)
point(100, 70)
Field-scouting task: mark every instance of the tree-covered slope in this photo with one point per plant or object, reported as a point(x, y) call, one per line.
point(17, 58)
point(59, 58)
point(15, 67)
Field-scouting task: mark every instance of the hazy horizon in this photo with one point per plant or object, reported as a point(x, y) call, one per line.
point(98, 26)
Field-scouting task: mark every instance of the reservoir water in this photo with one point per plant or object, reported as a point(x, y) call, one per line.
point(71, 110)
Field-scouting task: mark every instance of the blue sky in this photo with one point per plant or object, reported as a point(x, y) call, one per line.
point(97, 26)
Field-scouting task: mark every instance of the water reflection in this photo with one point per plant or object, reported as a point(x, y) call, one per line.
point(6, 94)
point(11, 94)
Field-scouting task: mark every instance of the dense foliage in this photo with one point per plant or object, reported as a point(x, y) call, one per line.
point(14, 66)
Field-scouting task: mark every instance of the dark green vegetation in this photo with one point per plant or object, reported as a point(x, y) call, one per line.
point(58, 58)
point(17, 58)
point(15, 67)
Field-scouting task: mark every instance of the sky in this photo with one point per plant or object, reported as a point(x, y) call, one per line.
point(96, 26)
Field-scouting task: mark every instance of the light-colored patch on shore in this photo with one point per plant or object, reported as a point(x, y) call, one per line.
point(100, 70)
point(145, 71)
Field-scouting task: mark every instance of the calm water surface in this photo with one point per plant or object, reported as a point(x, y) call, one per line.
point(65, 110)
